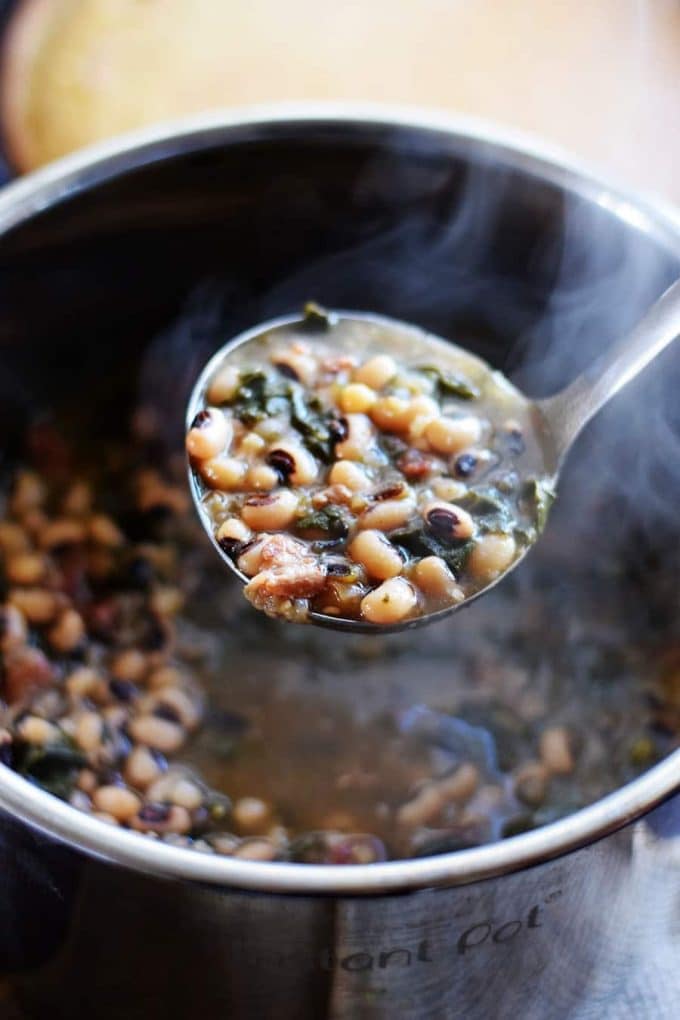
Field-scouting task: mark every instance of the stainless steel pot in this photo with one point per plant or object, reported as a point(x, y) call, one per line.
point(434, 220)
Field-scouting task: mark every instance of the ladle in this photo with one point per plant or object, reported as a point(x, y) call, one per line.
point(559, 419)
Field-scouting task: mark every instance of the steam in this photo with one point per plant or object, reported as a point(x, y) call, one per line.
point(536, 282)
point(624, 473)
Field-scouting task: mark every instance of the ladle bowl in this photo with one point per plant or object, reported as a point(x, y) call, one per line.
point(557, 420)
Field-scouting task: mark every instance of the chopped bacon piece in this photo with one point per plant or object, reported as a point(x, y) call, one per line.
point(415, 465)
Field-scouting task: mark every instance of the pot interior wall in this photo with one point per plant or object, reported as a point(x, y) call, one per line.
point(401, 223)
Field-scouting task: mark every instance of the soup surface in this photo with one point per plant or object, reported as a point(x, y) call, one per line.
point(362, 469)
point(138, 684)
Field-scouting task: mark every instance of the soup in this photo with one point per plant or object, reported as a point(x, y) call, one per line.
point(360, 469)
point(140, 687)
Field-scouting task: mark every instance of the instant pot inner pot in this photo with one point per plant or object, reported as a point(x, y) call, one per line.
point(115, 297)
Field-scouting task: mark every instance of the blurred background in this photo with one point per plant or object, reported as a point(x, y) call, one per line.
point(599, 77)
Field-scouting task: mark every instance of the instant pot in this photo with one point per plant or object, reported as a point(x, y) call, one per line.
point(443, 222)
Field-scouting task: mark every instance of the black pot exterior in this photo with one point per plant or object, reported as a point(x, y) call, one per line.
point(235, 227)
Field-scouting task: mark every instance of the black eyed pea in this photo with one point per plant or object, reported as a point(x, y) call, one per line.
point(67, 632)
point(435, 580)
point(261, 478)
point(165, 676)
point(388, 515)
point(167, 600)
point(359, 439)
point(356, 398)
point(87, 781)
point(392, 414)
point(250, 560)
point(448, 520)
point(104, 531)
point(187, 794)
point(161, 734)
point(130, 665)
point(349, 474)
point(390, 602)
point(423, 808)
point(162, 787)
point(422, 410)
point(187, 707)
point(162, 818)
point(451, 435)
point(177, 786)
point(35, 730)
point(296, 363)
point(422, 407)
point(210, 433)
point(376, 372)
point(251, 445)
point(272, 512)
point(251, 815)
point(88, 731)
point(117, 801)
point(25, 568)
point(491, 556)
point(292, 463)
point(448, 488)
point(37, 605)
point(233, 532)
point(555, 751)
point(227, 474)
point(259, 849)
point(28, 493)
point(143, 767)
point(223, 385)
point(86, 682)
point(374, 552)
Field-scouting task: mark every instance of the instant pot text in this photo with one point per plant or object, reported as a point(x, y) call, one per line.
point(482, 933)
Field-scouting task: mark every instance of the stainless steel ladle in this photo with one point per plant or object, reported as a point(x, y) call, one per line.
point(558, 419)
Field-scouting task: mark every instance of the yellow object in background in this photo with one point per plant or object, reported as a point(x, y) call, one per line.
point(601, 77)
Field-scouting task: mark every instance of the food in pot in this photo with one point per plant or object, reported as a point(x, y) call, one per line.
point(366, 471)
point(125, 694)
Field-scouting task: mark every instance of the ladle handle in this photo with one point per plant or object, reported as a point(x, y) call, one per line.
point(569, 410)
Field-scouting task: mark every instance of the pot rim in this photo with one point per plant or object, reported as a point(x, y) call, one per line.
point(96, 164)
